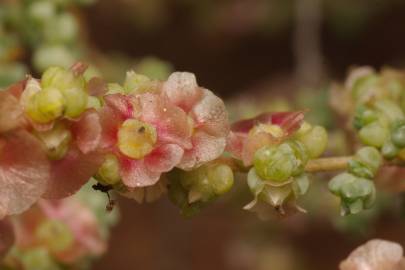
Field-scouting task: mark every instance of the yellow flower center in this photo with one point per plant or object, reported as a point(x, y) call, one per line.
point(274, 130)
point(136, 138)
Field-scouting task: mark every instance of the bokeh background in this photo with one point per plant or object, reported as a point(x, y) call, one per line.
point(258, 55)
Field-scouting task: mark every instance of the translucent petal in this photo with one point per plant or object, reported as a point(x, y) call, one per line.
point(374, 255)
point(182, 90)
point(210, 114)
point(134, 173)
point(24, 172)
point(205, 148)
point(87, 131)
point(164, 158)
point(11, 113)
point(69, 174)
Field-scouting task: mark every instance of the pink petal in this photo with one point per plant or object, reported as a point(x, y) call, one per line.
point(211, 115)
point(110, 121)
point(172, 123)
point(235, 142)
point(69, 174)
point(87, 131)
point(164, 158)
point(374, 255)
point(96, 87)
point(78, 68)
point(182, 90)
point(24, 172)
point(288, 121)
point(122, 105)
point(205, 148)
point(11, 113)
point(134, 173)
point(7, 237)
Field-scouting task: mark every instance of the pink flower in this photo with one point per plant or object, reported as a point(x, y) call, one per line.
point(147, 135)
point(247, 136)
point(78, 219)
point(208, 116)
point(26, 171)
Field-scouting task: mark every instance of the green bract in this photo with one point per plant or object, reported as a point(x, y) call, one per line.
point(390, 109)
point(364, 116)
point(109, 171)
point(356, 193)
point(374, 134)
point(389, 150)
point(366, 162)
point(398, 134)
point(315, 141)
point(136, 83)
point(46, 105)
point(279, 162)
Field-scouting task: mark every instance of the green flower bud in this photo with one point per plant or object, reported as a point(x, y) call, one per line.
point(207, 182)
point(398, 134)
point(315, 141)
point(363, 85)
point(76, 102)
point(109, 171)
point(115, 88)
point(55, 235)
point(136, 83)
point(390, 109)
point(364, 116)
point(279, 162)
point(42, 11)
point(56, 141)
point(46, 105)
point(221, 178)
point(366, 162)
point(389, 150)
point(38, 258)
point(374, 134)
point(356, 193)
point(52, 55)
point(61, 78)
point(61, 29)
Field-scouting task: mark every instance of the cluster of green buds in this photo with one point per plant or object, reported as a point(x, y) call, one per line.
point(355, 187)
point(379, 116)
point(47, 28)
point(192, 190)
point(61, 93)
point(278, 174)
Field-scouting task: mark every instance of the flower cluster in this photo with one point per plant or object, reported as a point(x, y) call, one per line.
point(278, 145)
point(127, 136)
point(59, 234)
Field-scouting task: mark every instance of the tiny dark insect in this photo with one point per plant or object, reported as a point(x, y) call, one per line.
point(141, 130)
point(105, 189)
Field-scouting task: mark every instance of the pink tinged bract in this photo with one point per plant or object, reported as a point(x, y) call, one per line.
point(210, 115)
point(374, 255)
point(24, 172)
point(172, 123)
point(164, 158)
point(87, 131)
point(205, 148)
point(69, 174)
point(182, 90)
point(134, 173)
point(11, 113)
